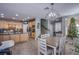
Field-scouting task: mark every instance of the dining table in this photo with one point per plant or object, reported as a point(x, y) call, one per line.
point(53, 43)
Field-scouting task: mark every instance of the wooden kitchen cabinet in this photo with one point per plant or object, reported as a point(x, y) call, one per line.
point(13, 37)
point(31, 26)
point(5, 24)
point(24, 37)
point(6, 37)
point(1, 24)
point(17, 38)
point(1, 37)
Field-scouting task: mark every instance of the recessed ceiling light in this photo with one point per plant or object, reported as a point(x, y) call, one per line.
point(17, 15)
point(2, 14)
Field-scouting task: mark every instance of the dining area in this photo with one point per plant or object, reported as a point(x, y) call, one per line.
point(51, 45)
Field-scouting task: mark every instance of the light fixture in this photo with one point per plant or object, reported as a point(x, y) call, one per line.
point(77, 25)
point(2, 15)
point(26, 19)
point(53, 14)
point(16, 15)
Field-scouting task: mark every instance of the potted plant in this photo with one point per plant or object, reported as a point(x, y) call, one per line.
point(72, 31)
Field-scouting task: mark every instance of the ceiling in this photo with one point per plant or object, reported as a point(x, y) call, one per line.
point(36, 9)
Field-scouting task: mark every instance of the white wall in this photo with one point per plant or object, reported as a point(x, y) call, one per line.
point(37, 31)
point(50, 27)
point(25, 28)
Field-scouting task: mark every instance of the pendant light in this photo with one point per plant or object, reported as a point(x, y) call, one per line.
point(53, 14)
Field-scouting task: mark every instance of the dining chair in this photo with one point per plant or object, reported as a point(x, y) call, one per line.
point(61, 49)
point(42, 47)
point(59, 43)
point(53, 42)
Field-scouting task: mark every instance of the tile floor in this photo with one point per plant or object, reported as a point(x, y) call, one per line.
point(31, 48)
point(25, 48)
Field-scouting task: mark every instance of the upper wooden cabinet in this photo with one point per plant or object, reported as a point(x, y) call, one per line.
point(1, 24)
point(31, 26)
point(5, 24)
point(8, 24)
point(31, 23)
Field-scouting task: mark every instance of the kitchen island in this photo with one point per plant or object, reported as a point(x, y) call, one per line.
point(18, 37)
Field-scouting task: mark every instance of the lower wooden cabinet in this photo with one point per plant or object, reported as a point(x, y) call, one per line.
point(17, 37)
point(6, 37)
point(1, 38)
point(13, 37)
point(23, 37)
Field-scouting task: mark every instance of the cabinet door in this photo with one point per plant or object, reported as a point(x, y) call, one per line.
point(17, 38)
point(24, 37)
point(33, 34)
point(6, 37)
point(13, 37)
point(5, 24)
point(1, 24)
point(1, 38)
